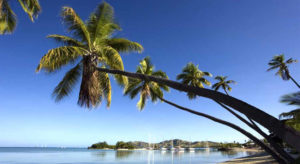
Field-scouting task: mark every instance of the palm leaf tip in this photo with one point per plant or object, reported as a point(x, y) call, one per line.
point(124, 45)
point(31, 7)
point(7, 19)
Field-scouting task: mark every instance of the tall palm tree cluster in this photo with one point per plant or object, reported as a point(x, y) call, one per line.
point(93, 48)
point(8, 18)
point(291, 118)
point(93, 51)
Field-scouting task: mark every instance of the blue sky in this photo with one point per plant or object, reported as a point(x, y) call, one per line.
point(233, 38)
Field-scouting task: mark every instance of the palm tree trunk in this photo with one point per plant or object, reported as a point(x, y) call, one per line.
point(294, 81)
point(286, 133)
point(90, 91)
point(252, 125)
point(250, 136)
point(226, 91)
point(1, 2)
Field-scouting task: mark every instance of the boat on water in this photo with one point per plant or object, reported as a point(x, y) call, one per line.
point(191, 150)
point(149, 148)
point(172, 149)
point(179, 149)
point(163, 149)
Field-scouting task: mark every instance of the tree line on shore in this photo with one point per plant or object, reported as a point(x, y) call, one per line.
point(172, 143)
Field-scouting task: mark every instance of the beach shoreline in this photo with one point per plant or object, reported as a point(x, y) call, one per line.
point(260, 157)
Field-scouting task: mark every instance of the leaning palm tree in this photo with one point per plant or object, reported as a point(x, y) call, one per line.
point(147, 89)
point(223, 83)
point(292, 118)
point(191, 75)
point(91, 44)
point(271, 123)
point(8, 17)
point(154, 91)
point(278, 62)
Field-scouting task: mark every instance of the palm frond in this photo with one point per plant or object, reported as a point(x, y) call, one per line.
point(105, 86)
point(124, 45)
point(7, 18)
point(132, 84)
point(75, 25)
point(135, 91)
point(141, 103)
point(291, 114)
point(203, 80)
point(58, 57)
point(65, 87)
point(273, 67)
point(207, 74)
point(291, 60)
point(181, 76)
point(161, 74)
point(231, 82)
point(220, 78)
point(229, 88)
point(291, 99)
point(65, 40)
point(101, 22)
point(191, 95)
point(215, 86)
point(31, 7)
point(155, 92)
point(114, 61)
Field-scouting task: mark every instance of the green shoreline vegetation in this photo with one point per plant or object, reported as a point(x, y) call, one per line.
point(222, 146)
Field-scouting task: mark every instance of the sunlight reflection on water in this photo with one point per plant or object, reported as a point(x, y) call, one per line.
point(85, 156)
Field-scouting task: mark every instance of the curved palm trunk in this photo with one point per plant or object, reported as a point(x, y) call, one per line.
point(286, 133)
point(298, 85)
point(1, 2)
point(253, 125)
point(273, 144)
point(250, 136)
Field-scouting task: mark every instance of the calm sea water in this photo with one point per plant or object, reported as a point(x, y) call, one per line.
point(85, 156)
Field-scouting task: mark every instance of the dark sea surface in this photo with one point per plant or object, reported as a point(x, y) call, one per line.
point(24, 155)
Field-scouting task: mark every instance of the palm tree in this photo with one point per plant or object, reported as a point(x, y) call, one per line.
point(8, 17)
point(269, 122)
point(278, 62)
point(153, 91)
point(147, 89)
point(223, 83)
point(292, 118)
point(191, 75)
point(91, 44)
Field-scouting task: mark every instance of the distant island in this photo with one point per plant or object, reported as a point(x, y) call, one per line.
point(168, 143)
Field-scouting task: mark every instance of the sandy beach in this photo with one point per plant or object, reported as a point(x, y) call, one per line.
point(259, 158)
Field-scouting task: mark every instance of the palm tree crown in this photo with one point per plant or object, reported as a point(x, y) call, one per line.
point(91, 44)
point(191, 75)
point(278, 62)
point(222, 82)
point(8, 17)
point(147, 89)
point(292, 118)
